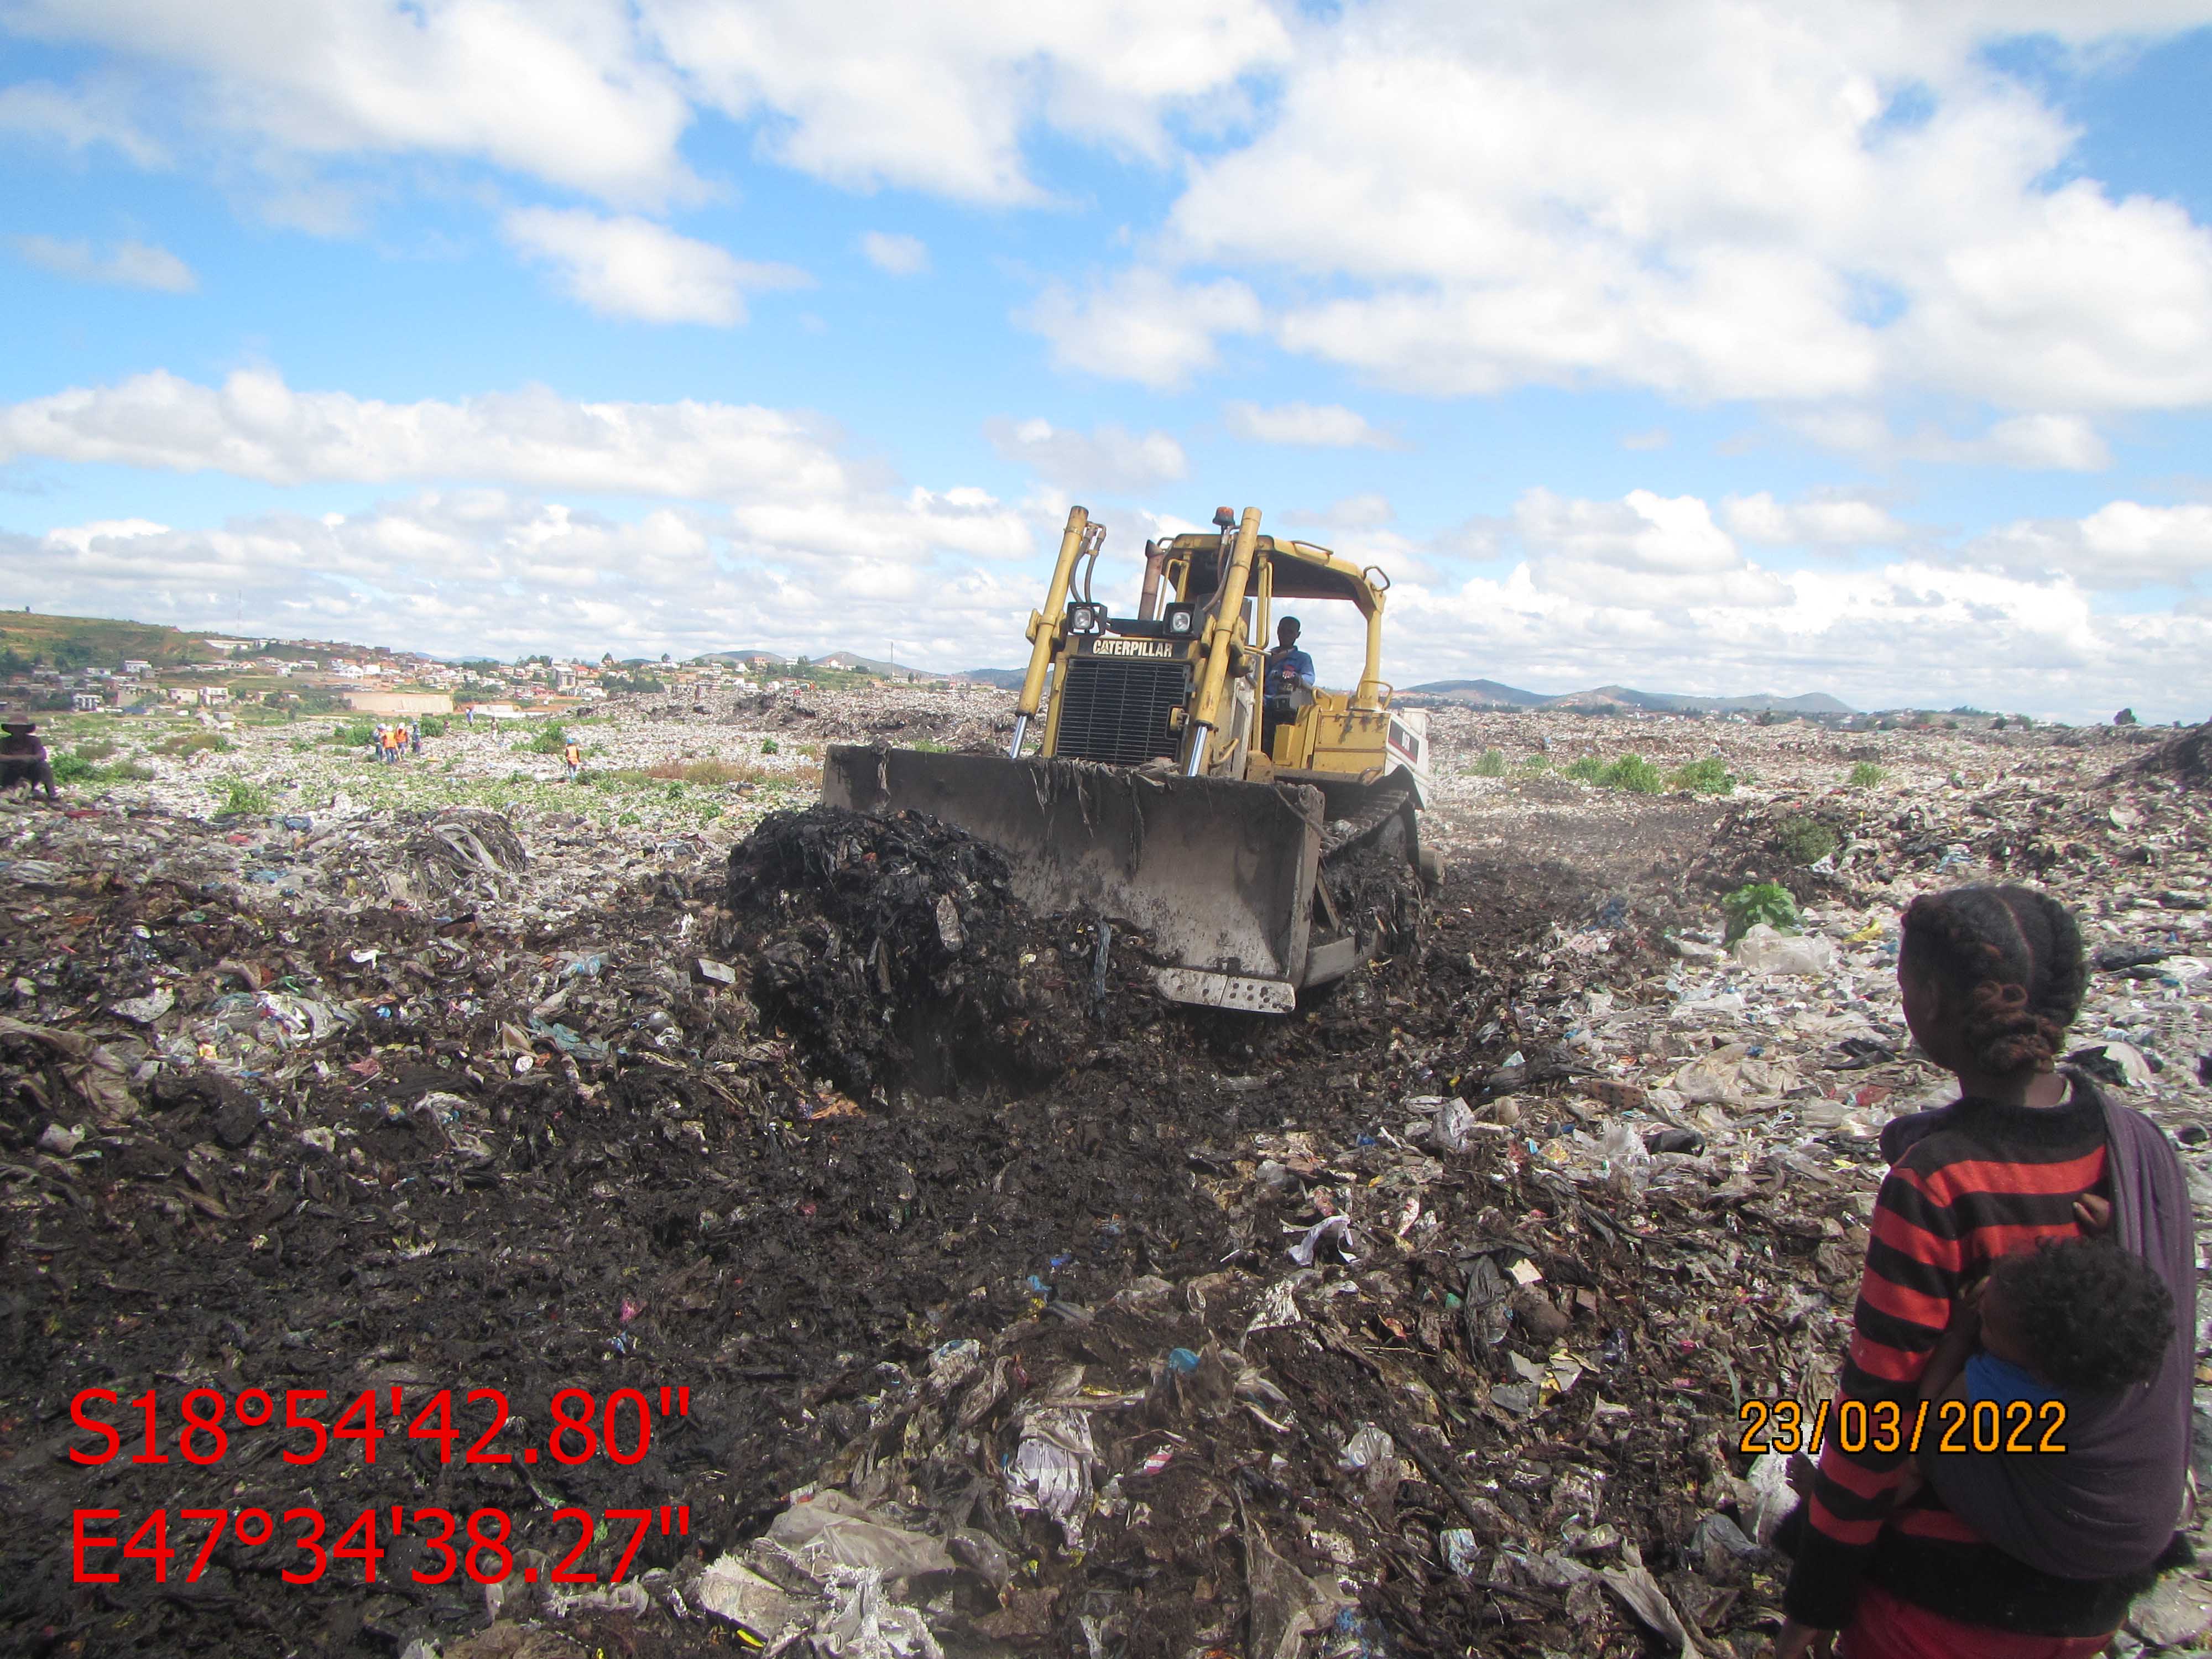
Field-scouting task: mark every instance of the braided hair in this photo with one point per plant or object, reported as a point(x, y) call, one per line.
point(2012, 958)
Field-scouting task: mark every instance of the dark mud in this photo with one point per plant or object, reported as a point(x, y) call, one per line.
point(917, 1115)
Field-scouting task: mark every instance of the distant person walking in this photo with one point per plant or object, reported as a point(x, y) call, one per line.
point(415, 737)
point(392, 745)
point(23, 757)
point(573, 757)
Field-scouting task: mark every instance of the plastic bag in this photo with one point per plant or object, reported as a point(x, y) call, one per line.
point(832, 1530)
point(1763, 951)
point(1051, 1469)
point(1628, 1156)
point(1455, 1126)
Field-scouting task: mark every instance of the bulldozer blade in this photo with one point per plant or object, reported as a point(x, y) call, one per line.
point(1218, 873)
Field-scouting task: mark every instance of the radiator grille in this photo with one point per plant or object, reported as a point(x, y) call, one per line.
point(1117, 712)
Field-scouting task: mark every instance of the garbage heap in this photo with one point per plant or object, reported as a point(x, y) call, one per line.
point(1045, 1320)
point(895, 950)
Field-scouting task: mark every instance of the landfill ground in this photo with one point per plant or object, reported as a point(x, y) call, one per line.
point(975, 1259)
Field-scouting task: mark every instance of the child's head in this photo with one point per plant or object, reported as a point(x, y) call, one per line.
point(2082, 1313)
point(1992, 977)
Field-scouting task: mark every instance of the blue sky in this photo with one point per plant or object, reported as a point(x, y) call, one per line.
point(1698, 347)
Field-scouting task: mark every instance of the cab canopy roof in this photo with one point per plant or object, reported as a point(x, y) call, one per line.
point(1302, 571)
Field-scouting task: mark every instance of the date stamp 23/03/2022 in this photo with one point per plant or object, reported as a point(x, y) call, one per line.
point(1886, 1427)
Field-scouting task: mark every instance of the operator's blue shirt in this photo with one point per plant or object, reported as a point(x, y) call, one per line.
point(1287, 671)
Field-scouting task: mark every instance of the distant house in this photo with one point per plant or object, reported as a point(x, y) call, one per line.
point(400, 702)
point(214, 696)
point(136, 667)
point(86, 702)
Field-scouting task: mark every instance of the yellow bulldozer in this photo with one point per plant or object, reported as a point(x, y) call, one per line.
point(1152, 779)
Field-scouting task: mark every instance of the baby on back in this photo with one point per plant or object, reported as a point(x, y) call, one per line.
point(2070, 1319)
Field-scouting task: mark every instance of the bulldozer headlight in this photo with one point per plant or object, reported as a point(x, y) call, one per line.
point(1084, 618)
point(1182, 620)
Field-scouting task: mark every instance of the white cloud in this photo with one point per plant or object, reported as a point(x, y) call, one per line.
point(2122, 544)
point(1142, 326)
point(1824, 521)
point(1856, 430)
point(1367, 510)
point(1643, 551)
point(470, 571)
point(940, 97)
point(82, 535)
point(801, 545)
point(2061, 443)
point(1636, 592)
point(1507, 195)
point(254, 426)
point(129, 264)
point(1907, 634)
point(1314, 425)
point(2045, 442)
point(898, 255)
point(1641, 531)
point(631, 267)
point(1652, 438)
point(79, 117)
point(1107, 457)
point(595, 95)
point(562, 92)
point(1650, 591)
point(1448, 198)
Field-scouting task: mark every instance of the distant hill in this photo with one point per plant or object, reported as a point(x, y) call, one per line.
point(1007, 679)
point(97, 641)
point(1491, 694)
point(1809, 702)
point(1487, 693)
point(859, 665)
point(849, 661)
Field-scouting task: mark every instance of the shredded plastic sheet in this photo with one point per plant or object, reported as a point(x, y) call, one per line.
point(1051, 1469)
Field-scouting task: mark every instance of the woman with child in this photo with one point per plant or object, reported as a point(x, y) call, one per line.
point(2032, 1243)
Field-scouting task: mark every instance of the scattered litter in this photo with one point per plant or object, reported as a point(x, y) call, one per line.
point(958, 1235)
point(1329, 1239)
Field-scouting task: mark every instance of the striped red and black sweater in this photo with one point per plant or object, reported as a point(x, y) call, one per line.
point(1978, 1181)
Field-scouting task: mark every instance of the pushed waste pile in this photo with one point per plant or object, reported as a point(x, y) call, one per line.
point(1016, 1312)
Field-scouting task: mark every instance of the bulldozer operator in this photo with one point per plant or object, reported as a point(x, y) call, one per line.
point(1290, 670)
point(1245, 866)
